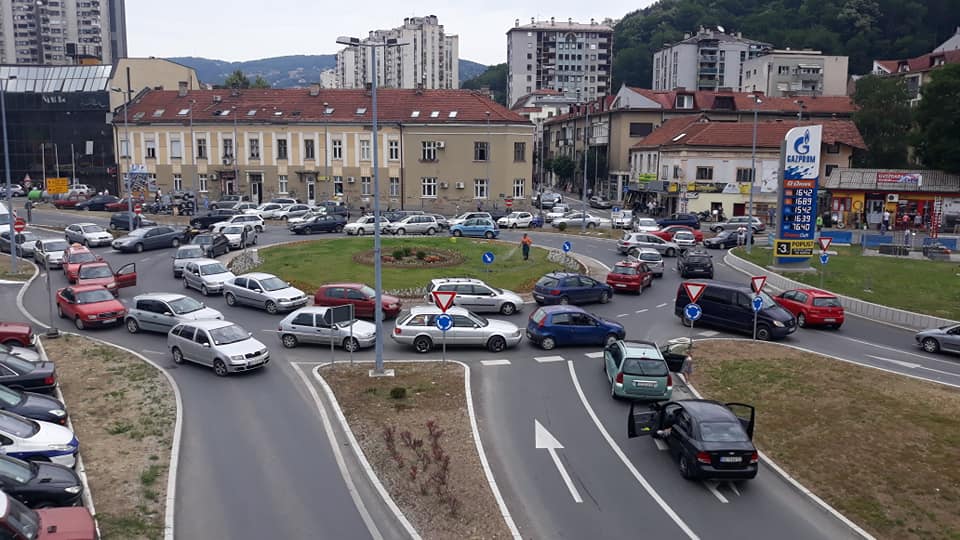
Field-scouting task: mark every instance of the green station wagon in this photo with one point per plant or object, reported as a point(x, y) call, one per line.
point(637, 370)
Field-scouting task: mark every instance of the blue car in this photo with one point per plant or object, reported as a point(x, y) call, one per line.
point(476, 228)
point(569, 288)
point(550, 326)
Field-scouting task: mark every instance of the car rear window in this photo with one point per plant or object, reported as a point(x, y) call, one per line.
point(625, 270)
point(538, 316)
point(722, 432)
point(654, 257)
point(547, 282)
point(645, 367)
point(698, 259)
point(826, 302)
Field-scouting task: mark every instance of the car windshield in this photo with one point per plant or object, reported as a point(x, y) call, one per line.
point(82, 257)
point(367, 291)
point(17, 425)
point(8, 396)
point(644, 367)
point(273, 284)
point(514, 215)
point(94, 296)
point(190, 252)
point(767, 300)
point(202, 239)
point(95, 272)
point(722, 432)
point(826, 301)
point(626, 270)
point(646, 222)
point(185, 304)
point(56, 245)
point(228, 334)
point(213, 268)
point(28, 237)
point(464, 215)
point(21, 519)
point(16, 470)
point(92, 229)
point(683, 235)
point(233, 230)
point(724, 234)
point(481, 320)
point(547, 282)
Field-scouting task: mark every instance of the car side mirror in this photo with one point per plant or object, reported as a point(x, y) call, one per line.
point(167, 314)
point(206, 345)
point(257, 290)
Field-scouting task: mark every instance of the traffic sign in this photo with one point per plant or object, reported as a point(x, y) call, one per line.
point(567, 246)
point(488, 257)
point(57, 185)
point(692, 311)
point(824, 258)
point(694, 290)
point(508, 203)
point(137, 209)
point(19, 225)
point(444, 322)
point(757, 303)
point(757, 283)
point(824, 242)
point(444, 299)
point(615, 209)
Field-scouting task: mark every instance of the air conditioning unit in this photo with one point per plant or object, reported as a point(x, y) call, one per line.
point(459, 185)
point(213, 177)
point(444, 185)
point(893, 197)
point(441, 145)
point(351, 179)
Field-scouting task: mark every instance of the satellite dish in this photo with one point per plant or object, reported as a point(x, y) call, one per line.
point(720, 28)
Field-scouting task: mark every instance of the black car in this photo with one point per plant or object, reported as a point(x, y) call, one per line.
point(547, 199)
point(122, 220)
point(213, 216)
point(20, 374)
point(690, 220)
point(98, 203)
point(335, 209)
point(730, 306)
point(324, 223)
point(214, 244)
point(38, 484)
point(708, 439)
point(695, 262)
point(725, 239)
point(32, 405)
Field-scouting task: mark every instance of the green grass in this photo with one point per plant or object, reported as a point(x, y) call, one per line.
point(24, 270)
point(310, 264)
point(922, 286)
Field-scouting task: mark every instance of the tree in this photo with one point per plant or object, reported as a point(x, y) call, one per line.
point(884, 119)
point(936, 137)
point(237, 80)
point(260, 82)
point(495, 77)
point(562, 166)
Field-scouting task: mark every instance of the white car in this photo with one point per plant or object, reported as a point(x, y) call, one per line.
point(684, 239)
point(646, 224)
point(240, 236)
point(310, 325)
point(363, 225)
point(49, 252)
point(266, 210)
point(185, 254)
point(632, 242)
point(653, 259)
point(576, 219)
point(557, 211)
point(33, 439)
point(88, 234)
point(294, 210)
point(253, 220)
point(29, 355)
point(468, 215)
point(622, 220)
point(515, 219)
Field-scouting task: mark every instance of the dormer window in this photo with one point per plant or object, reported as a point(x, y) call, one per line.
point(361, 110)
point(684, 101)
point(724, 102)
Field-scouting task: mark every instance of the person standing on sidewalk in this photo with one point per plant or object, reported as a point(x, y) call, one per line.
point(525, 244)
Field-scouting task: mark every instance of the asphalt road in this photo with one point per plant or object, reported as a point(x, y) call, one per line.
point(257, 436)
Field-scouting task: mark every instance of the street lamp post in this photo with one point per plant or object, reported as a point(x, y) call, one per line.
point(6, 166)
point(326, 157)
point(753, 171)
point(377, 262)
point(586, 151)
point(236, 150)
point(128, 180)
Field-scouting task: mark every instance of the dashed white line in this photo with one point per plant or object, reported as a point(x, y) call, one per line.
point(641, 311)
point(712, 486)
point(543, 359)
point(593, 354)
point(148, 351)
point(502, 362)
point(623, 315)
point(661, 305)
point(708, 333)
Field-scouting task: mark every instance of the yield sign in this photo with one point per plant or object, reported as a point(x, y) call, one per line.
point(444, 299)
point(757, 283)
point(824, 242)
point(694, 290)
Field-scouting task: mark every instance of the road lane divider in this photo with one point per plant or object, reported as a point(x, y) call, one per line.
point(595, 354)
point(501, 362)
point(545, 359)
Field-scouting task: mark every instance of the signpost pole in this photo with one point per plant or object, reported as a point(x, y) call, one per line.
point(52, 330)
point(334, 329)
point(755, 324)
point(9, 190)
point(443, 341)
point(352, 319)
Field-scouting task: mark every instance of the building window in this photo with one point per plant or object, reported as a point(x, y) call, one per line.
point(203, 183)
point(704, 173)
point(393, 150)
point(228, 149)
point(519, 151)
point(394, 186)
point(201, 149)
point(428, 187)
point(364, 150)
point(830, 169)
point(744, 175)
point(365, 186)
point(481, 151)
point(282, 150)
point(481, 188)
point(676, 172)
point(124, 148)
point(518, 184)
point(151, 149)
point(428, 151)
point(338, 184)
point(176, 149)
point(178, 182)
point(337, 148)
point(282, 183)
point(309, 151)
point(254, 148)
point(640, 129)
point(833, 148)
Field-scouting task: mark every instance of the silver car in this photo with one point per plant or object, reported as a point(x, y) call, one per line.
point(417, 224)
point(49, 253)
point(29, 355)
point(26, 241)
point(737, 222)
point(88, 234)
point(265, 291)
point(645, 224)
point(309, 325)
point(634, 241)
point(418, 327)
point(184, 255)
point(159, 312)
point(292, 211)
point(652, 258)
point(364, 225)
point(206, 276)
point(240, 236)
point(475, 295)
point(222, 345)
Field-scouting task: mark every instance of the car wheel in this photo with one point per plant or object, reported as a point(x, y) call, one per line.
point(930, 345)
point(685, 470)
point(271, 307)
point(230, 299)
point(258, 228)
point(401, 232)
point(78, 322)
point(60, 311)
point(717, 230)
point(513, 225)
point(288, 340)
point(220, 368)
point(177, 356)
point(801, 320)
point(113, 226)
point(488, 235)
point(564, 300)
point(204, 291)
point(338, 229)
point(763, 333)
point(360, 232)
point(351, 344)
point(591, 225)
point(604, 297)
point(458, 232)
point(186, 285)
point(431, 232)
point(422, 344)
point(610, 340)
point(132, 326)
point(496, 344)
point(138, 248)
point(175, 243)
point(508, 309)
point(671, 252)
point(547, 343)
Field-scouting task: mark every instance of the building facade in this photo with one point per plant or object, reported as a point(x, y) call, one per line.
point(916, 71)
point(795, 73)
point(428, 58)
point(62, 33)
point(572, 58)
point(438, 149)
point(708, 60)
point(539, 107)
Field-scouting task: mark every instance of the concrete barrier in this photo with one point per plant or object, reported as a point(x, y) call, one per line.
point(946, 242)
point(838, 237)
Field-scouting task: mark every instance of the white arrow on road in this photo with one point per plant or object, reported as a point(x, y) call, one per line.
point(545, 440)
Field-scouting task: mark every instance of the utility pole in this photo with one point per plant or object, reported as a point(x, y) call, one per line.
point(6, 165)
point(586, 151)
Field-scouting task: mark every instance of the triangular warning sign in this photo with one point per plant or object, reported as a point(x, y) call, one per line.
point(444, 299)
point(757, 283)
point(824, 242)
point(694, 290)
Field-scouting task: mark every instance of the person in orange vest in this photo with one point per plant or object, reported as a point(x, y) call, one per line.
point(525, 244)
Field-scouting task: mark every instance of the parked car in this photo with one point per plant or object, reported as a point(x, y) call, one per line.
point(651, 258)
point(265, 291)
point(21, 374)
point(213, 244)
point(213, 216)
point(89, 305)
point(291, 222)
point(633, 242)
point(159, 312)
point(397, 215)
point(26, 242)
point(441, 221)
point(39, 485)
point(477, 296)
point(323, 223)
point(476, 228)
point(515, 219)
point(15, 334)
point(228, 200)
point(123, 204)
point(122, 220)
point(240, 236)
point(33, 405)
point(730, 306)
point(246, 207)
point(34, 440)
point(547, 199)
point(945, 338)
point(311, 325)
point(695, 263)
point(138, 240)
point(646, 225)
point(690, 220)
point(599, 202)
point(552, 326)
point(88, 234)
point(292, 211)
point(570, 288)
point(27, 354)
point(622, 219)
point(417, 224)
point(418, 327)
point(709, 439)
point(577, 219)
point(206, 276)
point(812, 307)
point(364, 225)
point(185, 254)
point(240, 219)
point(98, 203)
point(737, 222)
point(69, 202)
point(557, 211)
point(49, 253)
point(222, 345)
point(630, 275)
point(267, 210)
point(75, 256)
point(469, 215)
point(361, 296)
point(100, 273)
point(667, 232)
point(637, 370)
point(724, 240)
point(16, 190)
point(286, 201)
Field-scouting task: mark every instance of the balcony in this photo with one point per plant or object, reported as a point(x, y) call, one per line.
point(708, 70)
point(708, 58)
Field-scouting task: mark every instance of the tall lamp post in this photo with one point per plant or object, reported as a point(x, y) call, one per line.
point(128, 181)
point(377, 263)
point(586, 152)
point(327, 111)
point(753, 170)
point(6, 167)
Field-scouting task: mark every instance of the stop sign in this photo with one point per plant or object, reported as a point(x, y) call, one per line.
point(19, 225)
point(137, 209)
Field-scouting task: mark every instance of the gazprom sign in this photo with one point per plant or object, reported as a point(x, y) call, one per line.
point(796, 230)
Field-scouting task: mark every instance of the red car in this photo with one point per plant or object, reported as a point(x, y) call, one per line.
point(89, 305)
point(17, 334)
point(68, 203)
point(358, 294)
point(100, 273)
point(630, 276)
point(812, 307)
point(122, 205)
point(73, 257)
point(667, 232)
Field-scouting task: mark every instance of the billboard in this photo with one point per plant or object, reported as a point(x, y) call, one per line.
point(800, 163)
point(899, 178)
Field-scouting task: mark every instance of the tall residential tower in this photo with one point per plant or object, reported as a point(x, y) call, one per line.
point(62, 32)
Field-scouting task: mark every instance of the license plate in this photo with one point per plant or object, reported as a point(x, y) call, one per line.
point(731, 459)
point(621, 284)
point(829, 320)
point(644, 384)
point(107, 321)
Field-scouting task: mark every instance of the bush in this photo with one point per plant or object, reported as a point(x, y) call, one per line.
point(407, 252)
point(398, 254)
point(421, 255)
point(398, 392)
point(562, 226)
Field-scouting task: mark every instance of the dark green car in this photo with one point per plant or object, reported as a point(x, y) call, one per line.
point(637, 370)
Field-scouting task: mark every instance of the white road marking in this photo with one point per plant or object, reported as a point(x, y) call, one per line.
point(708, 333)
point(502, 362)
point(593, 354)
point(148, 351)
point(661, 305)
point(626, 462)
point(733, 487)
point(661, 445)
point(543, 359)
point(897, 362)
point(712, 486)
point(641, 311)
point(898, 351)
point(623, 315)
point(543, 439)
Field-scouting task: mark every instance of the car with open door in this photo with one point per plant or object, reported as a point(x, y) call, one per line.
point(709, 439)
point(89, 305)
point(74, 257)
point(100, 273)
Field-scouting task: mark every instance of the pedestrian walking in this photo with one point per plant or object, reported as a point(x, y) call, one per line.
point(918, 221)
point(28, 206)
point(819, 223)
point(885, 224)
point(741, 236)
point(687, 369)
point(525, 244)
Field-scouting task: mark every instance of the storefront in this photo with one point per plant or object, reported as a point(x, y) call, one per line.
point(727, 198)
point(909, 197)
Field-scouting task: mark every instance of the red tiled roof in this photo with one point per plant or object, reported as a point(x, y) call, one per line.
point(700, 132)
point(924, 62)
point(297, 105)
point(742, 101)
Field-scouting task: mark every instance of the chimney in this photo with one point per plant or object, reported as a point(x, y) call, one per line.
point(516, 23)
point(551, 21)
point(593, 22)
point(217, 99)
point(314, 90)
point(182, 88)
point(533, 20)
point(569, 20)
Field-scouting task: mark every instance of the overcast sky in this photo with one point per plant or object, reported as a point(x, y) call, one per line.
point(248, 29)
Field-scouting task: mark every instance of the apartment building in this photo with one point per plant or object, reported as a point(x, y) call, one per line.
point(916, 71)
point(710, 59)
point(795, 73)
point(575, 59)
point(64, 32)
point(437, 149)
point(426, 57)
